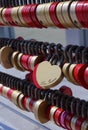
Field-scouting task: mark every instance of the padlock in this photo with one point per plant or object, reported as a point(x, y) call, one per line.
point(6, 14)
point(65, 70)
point(53, 15)
point(65, 14)
point(72, 56)
point(26, 101)
point(27, 15)
point(84, 109)
point(63, 102)
point(39, 110)
point(1, 88)
point(34, 17)
point(57, 115)
point(19, 60)
point(73, 106)
point(2, 23)
point(85, 6)
point(3, 17)
point(15, 16)
point(68, 121)
point(84, 125)
point(14, 97)
point(5, 56)
point(4, 91)
point(73, 122)
point(85, 61)
point(43, 80)
point(78, 73)
point(68, 102)
point(73, 16)
point(24, 60)
point(78, 59)
point(63, 118)
point(14, 61)
point(47, 14)
point(21, 17)
point(41, 16)
point(19, 101)
point(80, 109)
point(66, 90)
point(59, 14)
point(52, 112)
point(79, 13)
point(9, 93)
point(78, 123)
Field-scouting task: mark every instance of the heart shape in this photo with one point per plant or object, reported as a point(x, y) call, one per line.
point(46, 75)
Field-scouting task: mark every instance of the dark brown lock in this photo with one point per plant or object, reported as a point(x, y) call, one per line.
point(5, 56)
point(39, 110)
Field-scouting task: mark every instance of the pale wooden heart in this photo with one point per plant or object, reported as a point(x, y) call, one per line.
point(48, 75)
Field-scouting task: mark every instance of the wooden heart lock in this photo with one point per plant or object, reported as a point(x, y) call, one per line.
point(46, 75)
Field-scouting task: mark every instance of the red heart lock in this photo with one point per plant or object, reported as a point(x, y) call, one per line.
point(78, 73)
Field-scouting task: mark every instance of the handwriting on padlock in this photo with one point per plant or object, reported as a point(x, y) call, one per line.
point(48, 82)
point(46, 75)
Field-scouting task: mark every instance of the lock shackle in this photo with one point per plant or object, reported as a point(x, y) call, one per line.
point(85, 55)
point(71, 53)
point(44, 48)
point(66, 49)
point(78, 54)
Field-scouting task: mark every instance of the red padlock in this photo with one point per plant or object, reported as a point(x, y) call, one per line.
point(66, 90)
point(68, 121)
point(9, 94)
point(1, 88)
point(34, 17)
point(52, 11)
point(78, 123)
point(63, 118)
point(57, 116)
point(25, 103)
point(8, 16)
point(78, 73)
point(27, 15)
point(24, 60)
point(85, 13)
point(79, 12)
point(86, 75)
point(29, 77)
